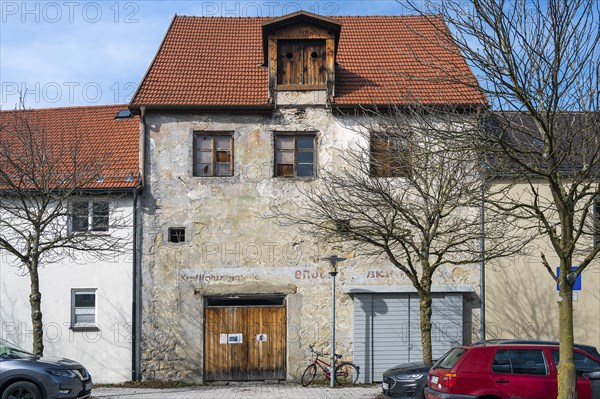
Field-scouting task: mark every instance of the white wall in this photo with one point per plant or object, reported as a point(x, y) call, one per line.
point(106, 352)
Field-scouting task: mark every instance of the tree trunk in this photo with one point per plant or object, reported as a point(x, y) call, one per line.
point(35, 302)
point(425, 316)
point(567, 380)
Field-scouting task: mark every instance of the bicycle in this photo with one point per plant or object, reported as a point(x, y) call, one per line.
point(346, 373)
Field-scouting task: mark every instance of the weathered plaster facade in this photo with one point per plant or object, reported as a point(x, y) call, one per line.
point(233, 248)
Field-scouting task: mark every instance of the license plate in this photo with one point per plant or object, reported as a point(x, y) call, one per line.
point(385, 385)
point(435, 379)
point(87, 386)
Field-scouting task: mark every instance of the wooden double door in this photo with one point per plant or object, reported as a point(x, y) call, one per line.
point(245, 343)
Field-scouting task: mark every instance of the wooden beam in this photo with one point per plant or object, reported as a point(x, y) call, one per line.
point(330, 66)
point(272, 68)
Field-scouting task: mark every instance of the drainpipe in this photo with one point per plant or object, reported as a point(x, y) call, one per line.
point(136, 345)
point(482, 260)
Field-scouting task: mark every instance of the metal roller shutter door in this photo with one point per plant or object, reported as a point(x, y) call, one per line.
point(387, 332)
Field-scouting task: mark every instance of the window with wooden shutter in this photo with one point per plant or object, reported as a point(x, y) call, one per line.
point(390, 156)
point(301, 64)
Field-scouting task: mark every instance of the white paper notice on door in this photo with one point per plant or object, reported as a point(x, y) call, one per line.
point(234, 338)
point(222, 338)
point(261, 337)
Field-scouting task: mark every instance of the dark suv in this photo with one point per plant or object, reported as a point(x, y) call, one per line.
point(505, 371)
point(25, 376)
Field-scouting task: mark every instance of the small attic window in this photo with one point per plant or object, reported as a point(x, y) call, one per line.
point(301, 62)
point(123, 114)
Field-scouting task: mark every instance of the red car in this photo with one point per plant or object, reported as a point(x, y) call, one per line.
point(505, 371)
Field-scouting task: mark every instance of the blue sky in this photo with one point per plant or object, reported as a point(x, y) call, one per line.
point(67, 53)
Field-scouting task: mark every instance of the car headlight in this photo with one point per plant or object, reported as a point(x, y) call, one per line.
point(409, 376)
point(62, 373)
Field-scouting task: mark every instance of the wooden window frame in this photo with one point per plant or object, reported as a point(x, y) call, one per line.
point(295, 136)
point(399, 156)
point(214, 161)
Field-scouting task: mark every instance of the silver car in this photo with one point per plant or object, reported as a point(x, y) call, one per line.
point(26, 376)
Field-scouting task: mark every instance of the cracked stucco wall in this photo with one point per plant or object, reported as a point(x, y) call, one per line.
point(232, 248)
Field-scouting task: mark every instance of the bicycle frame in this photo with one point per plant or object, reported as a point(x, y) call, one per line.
point(345, 373)
point(322, 365)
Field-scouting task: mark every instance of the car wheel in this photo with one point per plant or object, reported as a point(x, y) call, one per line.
point(22, 390)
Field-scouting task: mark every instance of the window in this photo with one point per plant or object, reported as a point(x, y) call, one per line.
point(83, 307)
point(213, 155)
point(89, 216)
point(176, 234)
point(583, 363)
point(390, 156)
point(451, 358)
point(531, 362)
point(301, 62)
point(294, 155)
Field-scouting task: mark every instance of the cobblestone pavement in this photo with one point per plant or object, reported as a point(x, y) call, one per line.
point(241, 391)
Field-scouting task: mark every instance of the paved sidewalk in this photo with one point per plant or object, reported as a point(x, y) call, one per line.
point(241, 391)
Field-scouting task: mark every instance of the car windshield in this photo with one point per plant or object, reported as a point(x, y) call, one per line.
point(450, 359)
point(10, 351)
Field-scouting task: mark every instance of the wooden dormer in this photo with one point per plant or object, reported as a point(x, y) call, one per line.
point(300, 51)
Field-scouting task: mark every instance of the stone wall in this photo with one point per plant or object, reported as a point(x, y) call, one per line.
point(233, 247)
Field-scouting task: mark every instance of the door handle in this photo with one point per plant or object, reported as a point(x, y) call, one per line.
point(502, 381)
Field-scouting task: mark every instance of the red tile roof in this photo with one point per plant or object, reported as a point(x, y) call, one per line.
point(110, 145)
point(212, 61)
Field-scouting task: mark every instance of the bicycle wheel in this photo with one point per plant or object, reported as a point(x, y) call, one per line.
point(346, 374)
point(309, 375)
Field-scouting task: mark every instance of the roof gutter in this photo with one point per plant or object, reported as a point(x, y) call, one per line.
point(461, 108)
point(136, 109)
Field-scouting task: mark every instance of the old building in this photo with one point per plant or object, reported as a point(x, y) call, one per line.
point(86, 299)
point(238, 114)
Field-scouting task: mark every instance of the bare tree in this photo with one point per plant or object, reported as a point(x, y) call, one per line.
point(45, 183)
point(538, 60)
point(402, 193)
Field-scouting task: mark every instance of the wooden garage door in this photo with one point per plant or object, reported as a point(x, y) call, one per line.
point(244, 343)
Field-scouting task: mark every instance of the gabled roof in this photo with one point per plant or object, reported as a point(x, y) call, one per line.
point(216, 62)
point(575, 142)
point(271, 25)
point(91, 132)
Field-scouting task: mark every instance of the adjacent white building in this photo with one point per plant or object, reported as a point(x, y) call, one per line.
point(87, 301)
